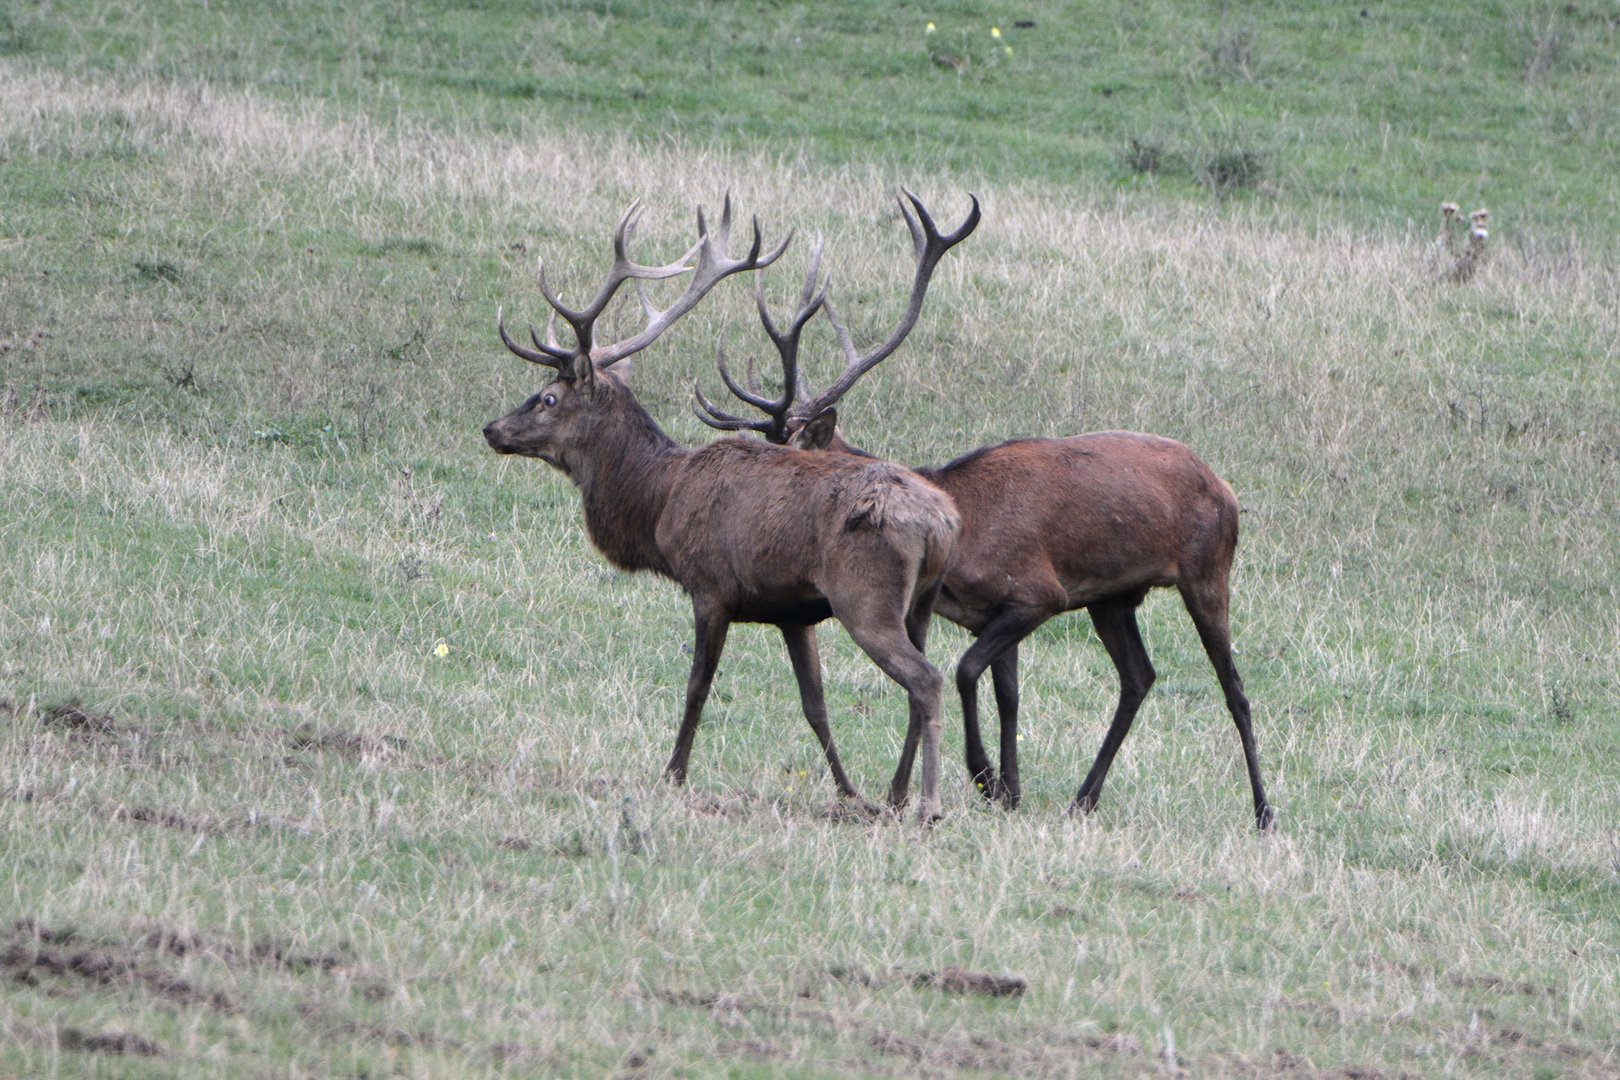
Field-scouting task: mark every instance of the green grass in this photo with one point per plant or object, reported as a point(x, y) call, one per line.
point(254, 823)
point(1372, 114)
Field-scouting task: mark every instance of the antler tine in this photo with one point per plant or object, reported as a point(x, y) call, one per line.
point(750, 395)
point(930, 246)
point(706, 411)
point(553, 357)
point(786, 341)
point(947, 241)
point(811, 300)
point(551, 344)
point(713, 265)
point(583, 320)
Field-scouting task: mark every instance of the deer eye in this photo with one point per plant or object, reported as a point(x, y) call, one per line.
point(548, 400)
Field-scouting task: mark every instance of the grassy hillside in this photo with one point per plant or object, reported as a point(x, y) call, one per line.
point(330, 747)
point(1370, 114)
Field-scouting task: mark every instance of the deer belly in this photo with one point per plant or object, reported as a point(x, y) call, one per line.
point(780, 611)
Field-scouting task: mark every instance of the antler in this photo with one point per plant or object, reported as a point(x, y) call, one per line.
point(795, 404)
point(930, 246)
point(713, 264)
point(551, 353)
point(787, 347)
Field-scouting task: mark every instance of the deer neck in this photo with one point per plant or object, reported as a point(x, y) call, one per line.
point(624, 483)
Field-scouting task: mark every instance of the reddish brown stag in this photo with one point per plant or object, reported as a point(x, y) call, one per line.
point(753, 532)
point(1048, 526)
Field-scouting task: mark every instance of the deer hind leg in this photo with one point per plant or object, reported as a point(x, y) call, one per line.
point(1000, 636)
point(921, 616)
point(1115, 623)
point(884, 638)
point(1004, 678)
point(709, 640)
point(801, 646)
point(1208, 606)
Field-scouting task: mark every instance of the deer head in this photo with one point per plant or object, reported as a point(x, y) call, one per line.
point(556, 424)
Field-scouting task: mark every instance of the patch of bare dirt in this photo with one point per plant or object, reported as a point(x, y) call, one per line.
point(755, 1049)
point(955, 980)
point(166, 818)
point(321, 1016)
point(73, 719)
point(729, 807)
point(264, 953)
point(1497, 985)
point(858, 976)
point(110, 1042)
point(348, 744)
point(61, 961)
point(952, 980)
point(1034, 1057)
point(26, 406)
point(58, 958)
point(852, 812)
point(38, 956)
point(636, 1062)
point(1040, 1055)
point(518, 1053)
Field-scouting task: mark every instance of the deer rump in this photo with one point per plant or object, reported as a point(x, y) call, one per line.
point(779, 535)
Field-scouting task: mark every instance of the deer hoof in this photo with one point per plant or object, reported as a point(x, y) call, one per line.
point(1265, 821)
point(857, 807)
point(988, 784)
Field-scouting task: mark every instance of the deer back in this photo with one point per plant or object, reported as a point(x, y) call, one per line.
point(761, 522)
point(1093, 515)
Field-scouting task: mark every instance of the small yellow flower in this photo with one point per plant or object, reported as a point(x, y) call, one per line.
point(995, 32)
point(931, 28)
point(441, 649)
point(1007, 49)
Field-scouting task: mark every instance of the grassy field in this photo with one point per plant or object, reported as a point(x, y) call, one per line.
point(330, 748)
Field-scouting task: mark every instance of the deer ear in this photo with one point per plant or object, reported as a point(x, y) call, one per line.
point(818, 432)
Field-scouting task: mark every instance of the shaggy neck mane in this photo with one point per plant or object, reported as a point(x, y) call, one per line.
point(625, 482)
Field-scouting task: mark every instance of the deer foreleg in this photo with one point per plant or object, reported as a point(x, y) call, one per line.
point(1000, 636)
point(709, 640)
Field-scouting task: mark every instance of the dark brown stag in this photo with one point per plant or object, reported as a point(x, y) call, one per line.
point(753, 532)
point(1048, 526)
